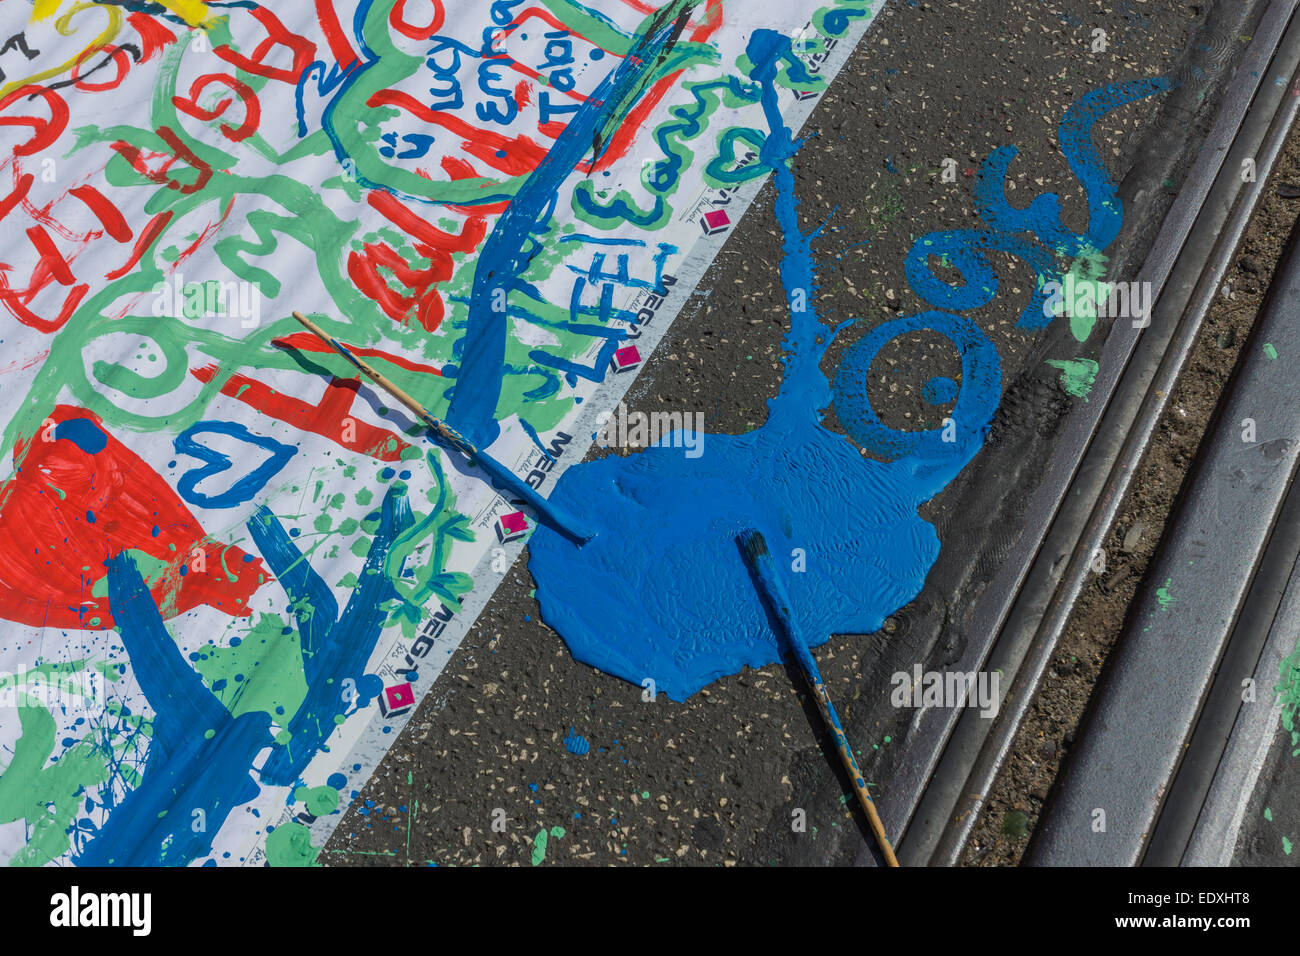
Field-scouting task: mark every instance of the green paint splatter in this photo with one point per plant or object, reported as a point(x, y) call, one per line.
point(1163, 595)
point(319, 800)
point(1015, 825)
point(151, 569)
point(47, 799)
point(1086, 272)
point(540, 841)
point(1286, 846)
point(1269, 350)
point(1288, 689)
point(268, 665)
point(1077, 375)
point(290, 845)
point(1268, 814)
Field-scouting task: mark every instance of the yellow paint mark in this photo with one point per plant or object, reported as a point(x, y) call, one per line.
point(193, 12)
point(63, 25)
point(44, 9)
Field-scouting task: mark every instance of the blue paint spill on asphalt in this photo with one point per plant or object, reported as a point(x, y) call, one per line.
point(939, 390)
point(576, 744)
point(660, 596)
point(1035, 233)
point(661, 593)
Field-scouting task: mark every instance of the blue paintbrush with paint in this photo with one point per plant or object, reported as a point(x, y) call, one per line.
point(763, 571)
point(448, 437)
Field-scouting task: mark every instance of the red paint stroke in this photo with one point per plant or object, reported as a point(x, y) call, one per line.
point(45, 131)
point(308, 342)
point(397, 20)
point(338, 41)
point(458, 168)
point(622, 140)
point(436, 245)
point(205, 235)
point(22, 365)
point(364, 271)
point(154, 36)
point(120, 58)
point(51, 260)
point(514, 156)
point(152, 230)
point(252, 107)
point(111, 500)
point(22, 186)
point(278, 35)
point(104, 211)
point(180, 151)
point(547, 17)
point(50, 267)
point(328, 418)
point(45, 216)
point(427, 237)
point(555, 23)
point(16, 302)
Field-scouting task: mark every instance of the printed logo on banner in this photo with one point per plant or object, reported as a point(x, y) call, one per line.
point(712, 199)
point(511, 527)
point(397, 699)
point(715, 222)
point(814, 62)
point(626, 359)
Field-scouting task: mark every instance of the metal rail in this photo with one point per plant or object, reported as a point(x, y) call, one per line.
point(1209, 585)
point(1019, 619)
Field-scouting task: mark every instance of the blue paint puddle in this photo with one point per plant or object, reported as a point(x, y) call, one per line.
point(661, 594)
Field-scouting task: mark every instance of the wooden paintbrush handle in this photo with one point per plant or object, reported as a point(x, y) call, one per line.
point(851, 765)
point(443, 430)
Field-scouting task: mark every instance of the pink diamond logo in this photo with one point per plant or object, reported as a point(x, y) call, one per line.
point(626, 359)
point(511, 526)
point(397, 700)
point(715, 221)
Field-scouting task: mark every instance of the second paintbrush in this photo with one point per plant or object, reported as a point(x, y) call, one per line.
point(448, 437)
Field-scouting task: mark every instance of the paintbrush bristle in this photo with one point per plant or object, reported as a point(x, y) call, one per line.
point(753, 545)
